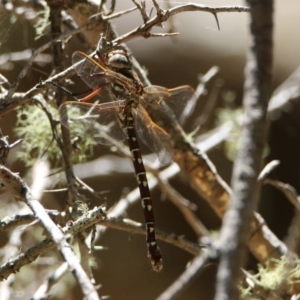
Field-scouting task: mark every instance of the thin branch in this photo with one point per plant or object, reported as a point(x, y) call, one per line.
point(30, 61)
point(22, 98)
point(139, 228)
point(293, 237)
point(185, 278)
point(108, 16)
point(65, 149)
point(287, 190)
point(268, 169)
point(112, 7)
point(142, 8)
point(285, 92)
point(12, 222)
point(182, 204)
point(43, 291)
point(85, 251)
point(9, 223)
point(210, 103)
point(200, 90)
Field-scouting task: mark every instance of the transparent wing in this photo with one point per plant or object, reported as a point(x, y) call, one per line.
point(153, 136)
point(89, 70)
point(176, 99)
point(99, 120)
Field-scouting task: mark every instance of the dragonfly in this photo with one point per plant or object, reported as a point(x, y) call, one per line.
point(124, 116)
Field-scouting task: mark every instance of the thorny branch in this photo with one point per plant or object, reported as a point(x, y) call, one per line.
point(163, 15)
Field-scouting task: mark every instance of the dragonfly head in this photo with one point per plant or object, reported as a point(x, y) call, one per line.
point(118, 59)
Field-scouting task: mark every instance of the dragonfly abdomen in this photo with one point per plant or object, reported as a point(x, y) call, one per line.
point(154, 254)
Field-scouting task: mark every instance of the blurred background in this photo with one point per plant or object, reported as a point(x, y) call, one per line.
point(123, 270)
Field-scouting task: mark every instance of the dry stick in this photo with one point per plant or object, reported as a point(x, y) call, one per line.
point(4, 149)
point(257, 90)
point(18, 188)
point(112, 7)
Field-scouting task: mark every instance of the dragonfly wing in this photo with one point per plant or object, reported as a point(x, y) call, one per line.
point(89, 70)
point(99, 120)
point(176, 99)
point(153, 136)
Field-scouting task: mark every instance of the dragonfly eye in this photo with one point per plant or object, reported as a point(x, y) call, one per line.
point(119, 61)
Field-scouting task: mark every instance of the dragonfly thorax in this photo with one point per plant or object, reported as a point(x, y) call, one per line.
point(119, 91)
